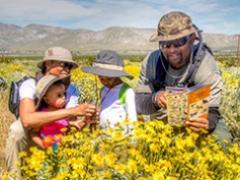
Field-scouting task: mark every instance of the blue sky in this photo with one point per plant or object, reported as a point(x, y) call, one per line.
point(216, 16)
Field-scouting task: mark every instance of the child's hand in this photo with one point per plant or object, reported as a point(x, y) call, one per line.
point(79, 124)
point(94, 120)
point(84, 110)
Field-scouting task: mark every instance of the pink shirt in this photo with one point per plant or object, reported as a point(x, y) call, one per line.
point(53, 128)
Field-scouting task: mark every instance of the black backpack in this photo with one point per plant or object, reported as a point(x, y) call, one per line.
point(14, 99)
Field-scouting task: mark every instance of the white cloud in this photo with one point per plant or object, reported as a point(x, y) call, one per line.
point(200, 6)
point(42, 10)
point(122, 13)
point(210, 15)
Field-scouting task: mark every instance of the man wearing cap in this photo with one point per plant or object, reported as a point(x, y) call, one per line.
point(57, 61)
point(181, 60)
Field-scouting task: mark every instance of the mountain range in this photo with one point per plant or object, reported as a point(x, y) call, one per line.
point(35, 38)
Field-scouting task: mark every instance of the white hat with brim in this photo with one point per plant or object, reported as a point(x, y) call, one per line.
point(57, 54)
point(45, 82)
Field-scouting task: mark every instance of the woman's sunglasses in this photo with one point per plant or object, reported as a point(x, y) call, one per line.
point(66, 65)
point(175, 43)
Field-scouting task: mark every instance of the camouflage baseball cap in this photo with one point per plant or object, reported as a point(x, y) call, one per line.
point(58, 54)
point(173, 25)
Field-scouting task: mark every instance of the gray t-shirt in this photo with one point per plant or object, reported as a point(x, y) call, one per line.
point(174, 76)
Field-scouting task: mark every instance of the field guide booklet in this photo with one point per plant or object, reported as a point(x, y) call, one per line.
point(184, 103)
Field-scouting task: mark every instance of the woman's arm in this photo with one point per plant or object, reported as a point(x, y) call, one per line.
point(31, 119)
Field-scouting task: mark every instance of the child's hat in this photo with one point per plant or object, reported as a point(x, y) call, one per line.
point(45, 82)
point(107, 63)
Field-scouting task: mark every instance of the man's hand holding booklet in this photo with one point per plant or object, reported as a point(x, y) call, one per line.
point(185, 103)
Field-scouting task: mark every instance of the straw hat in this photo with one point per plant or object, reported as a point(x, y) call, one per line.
point(57, 54)
point(45, 82)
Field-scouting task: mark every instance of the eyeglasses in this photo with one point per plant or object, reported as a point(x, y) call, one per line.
point(175, 43)
point(66, 65)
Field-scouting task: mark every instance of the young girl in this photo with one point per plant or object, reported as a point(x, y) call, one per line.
point(51, 92)
point(117, 98)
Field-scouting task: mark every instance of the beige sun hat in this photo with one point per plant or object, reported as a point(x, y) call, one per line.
point(172, 26)
point(45, 82)
point(58, 54)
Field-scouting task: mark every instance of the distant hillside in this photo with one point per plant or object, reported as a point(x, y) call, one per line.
point(37, 38)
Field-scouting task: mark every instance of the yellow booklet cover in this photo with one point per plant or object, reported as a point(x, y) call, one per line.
point(185, 103)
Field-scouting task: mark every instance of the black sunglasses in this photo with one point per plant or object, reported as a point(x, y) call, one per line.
point(175, 43)
point(66, 65)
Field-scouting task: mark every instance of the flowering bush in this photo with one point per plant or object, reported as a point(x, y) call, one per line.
point(152, 151)
point(230, 107)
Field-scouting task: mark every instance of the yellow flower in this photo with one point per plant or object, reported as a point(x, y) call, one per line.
point(110, 159)
point(98, 159)
point(22, 154)
point(132, 166)
point(121, 168)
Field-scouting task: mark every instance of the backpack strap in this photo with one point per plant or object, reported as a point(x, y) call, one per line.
point(122, 93)
point(14, 97)
point(199, 51)
point(160, 74)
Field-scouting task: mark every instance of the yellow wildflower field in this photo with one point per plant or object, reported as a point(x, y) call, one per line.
point(153, 150)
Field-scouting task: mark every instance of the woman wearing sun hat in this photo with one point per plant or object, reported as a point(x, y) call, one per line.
point(56, 61)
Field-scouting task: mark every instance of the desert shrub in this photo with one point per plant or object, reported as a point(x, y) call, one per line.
point(230, 107)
